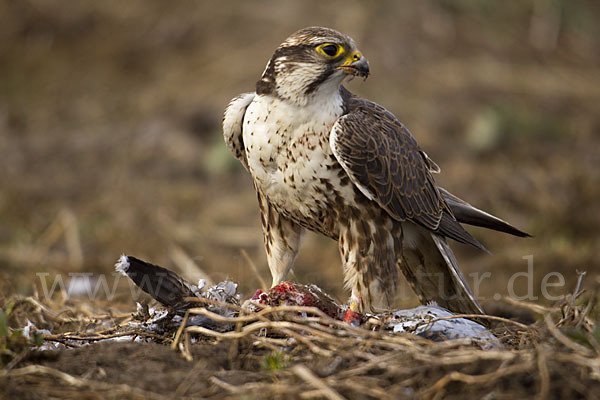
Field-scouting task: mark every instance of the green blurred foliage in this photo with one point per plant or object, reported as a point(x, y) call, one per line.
point(12, 341)
point(275, 361)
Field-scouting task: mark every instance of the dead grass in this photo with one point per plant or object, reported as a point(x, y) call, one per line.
point(280, 352)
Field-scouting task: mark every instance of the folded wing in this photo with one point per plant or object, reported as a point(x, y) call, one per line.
point(384, 161)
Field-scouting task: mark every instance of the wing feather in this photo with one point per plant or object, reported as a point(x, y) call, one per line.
point(384, 161)
point(381, 155)
point(468, 214)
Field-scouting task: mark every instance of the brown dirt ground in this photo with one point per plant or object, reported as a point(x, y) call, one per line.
point(154, 368)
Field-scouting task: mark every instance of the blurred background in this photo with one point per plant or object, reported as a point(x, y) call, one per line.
point(110, 137)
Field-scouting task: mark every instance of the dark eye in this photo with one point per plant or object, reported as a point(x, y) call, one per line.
point(331, 50)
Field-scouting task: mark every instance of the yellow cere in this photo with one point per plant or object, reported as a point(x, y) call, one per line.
point(355, 56)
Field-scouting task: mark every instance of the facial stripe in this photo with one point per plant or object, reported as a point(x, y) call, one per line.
point(317, 82)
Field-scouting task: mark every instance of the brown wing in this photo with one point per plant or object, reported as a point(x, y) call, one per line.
point(385, 162)
point(468, 214)
point(384, 159)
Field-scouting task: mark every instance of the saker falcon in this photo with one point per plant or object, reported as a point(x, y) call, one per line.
point(326, 160)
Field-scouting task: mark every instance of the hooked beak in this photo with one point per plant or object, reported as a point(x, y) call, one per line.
point(356, 64)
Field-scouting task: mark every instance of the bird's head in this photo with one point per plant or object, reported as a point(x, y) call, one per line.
point(312, 62)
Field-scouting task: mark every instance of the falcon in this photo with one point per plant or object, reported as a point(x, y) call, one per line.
point(328, 161)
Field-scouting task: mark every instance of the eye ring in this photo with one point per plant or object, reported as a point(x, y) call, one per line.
point(330, 50)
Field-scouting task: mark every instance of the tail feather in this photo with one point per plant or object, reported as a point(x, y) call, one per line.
point(467, 214)
point(431, 269)
point(465, 301)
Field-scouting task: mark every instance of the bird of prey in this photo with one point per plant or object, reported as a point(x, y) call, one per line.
point(326, 160)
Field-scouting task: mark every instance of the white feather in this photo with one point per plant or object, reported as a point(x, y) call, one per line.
point(122, 266)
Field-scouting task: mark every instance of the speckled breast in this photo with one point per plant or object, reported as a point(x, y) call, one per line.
point(290, 160)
